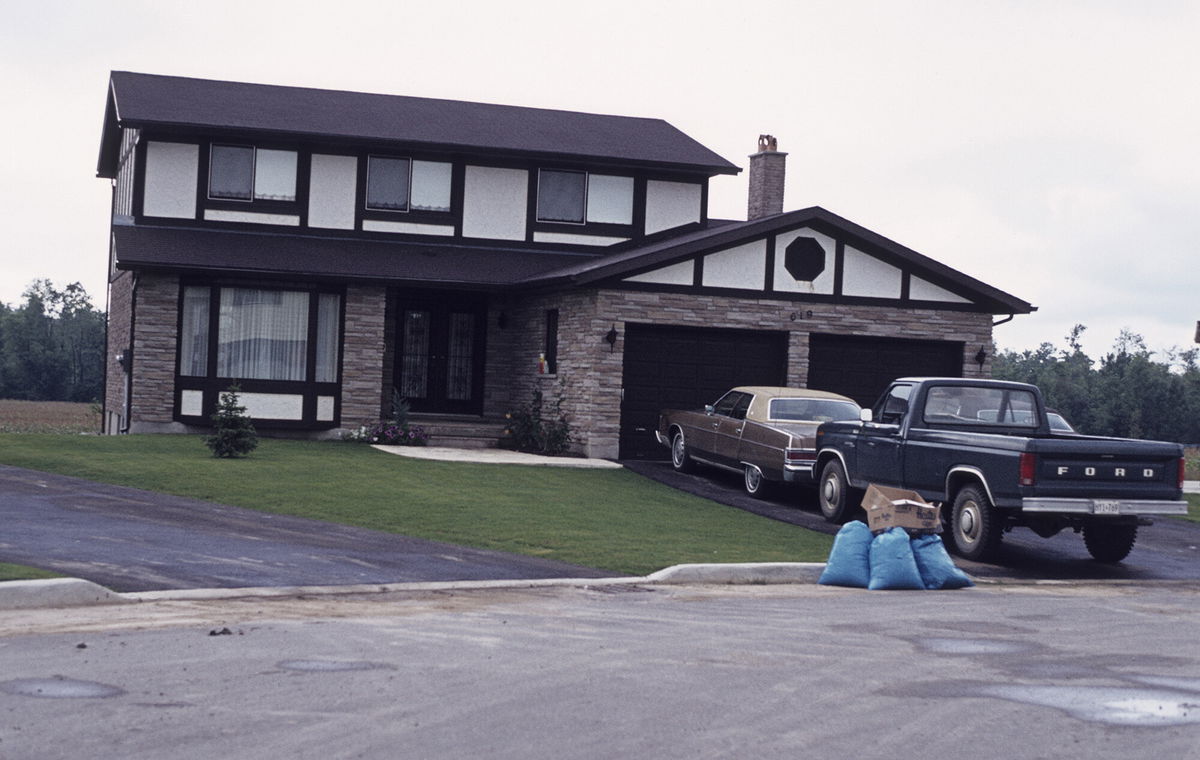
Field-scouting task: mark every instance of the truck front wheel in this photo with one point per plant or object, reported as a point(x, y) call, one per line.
point(834, 492)
point(1109, 543)
point(975, 526)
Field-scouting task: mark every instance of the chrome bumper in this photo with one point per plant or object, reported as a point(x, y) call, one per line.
point(1105, 507)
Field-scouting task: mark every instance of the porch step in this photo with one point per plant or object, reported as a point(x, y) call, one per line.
point(461, 431)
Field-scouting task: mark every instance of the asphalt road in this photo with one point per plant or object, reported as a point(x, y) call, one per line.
point(1167, 550)
point(131, 540)
point(996, 672)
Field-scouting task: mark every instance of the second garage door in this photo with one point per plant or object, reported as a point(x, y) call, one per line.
point(862, 368)
point(683, 367)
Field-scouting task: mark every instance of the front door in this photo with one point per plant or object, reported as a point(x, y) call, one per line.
point(439, 353)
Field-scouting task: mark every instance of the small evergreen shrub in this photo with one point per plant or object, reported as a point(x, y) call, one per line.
point(233, 432)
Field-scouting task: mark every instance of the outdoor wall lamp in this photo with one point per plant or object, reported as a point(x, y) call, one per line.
point(611, 338)
point(981, 357)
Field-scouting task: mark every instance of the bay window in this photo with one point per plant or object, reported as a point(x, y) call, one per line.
point(272, 342)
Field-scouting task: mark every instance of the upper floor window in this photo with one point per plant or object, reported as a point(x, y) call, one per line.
point(401, 184)
point(581, 197)
point(246, 173)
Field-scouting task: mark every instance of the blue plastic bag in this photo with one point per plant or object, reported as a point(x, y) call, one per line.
point(892, 563)
point(937, 569)
point(849, 561)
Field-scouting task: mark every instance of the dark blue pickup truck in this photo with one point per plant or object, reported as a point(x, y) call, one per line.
point(984, 450)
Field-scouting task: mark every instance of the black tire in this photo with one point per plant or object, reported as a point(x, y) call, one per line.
point(838, 500)
point(1109, 543)
point(756, 483)
point(681, 460)
point(975, 526)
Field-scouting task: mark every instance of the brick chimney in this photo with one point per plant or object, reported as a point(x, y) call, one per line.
point(766, 179)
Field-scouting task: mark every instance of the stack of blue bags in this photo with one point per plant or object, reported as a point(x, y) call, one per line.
point(891, 560)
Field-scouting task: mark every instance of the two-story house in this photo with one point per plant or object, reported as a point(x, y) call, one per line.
point(324, 248)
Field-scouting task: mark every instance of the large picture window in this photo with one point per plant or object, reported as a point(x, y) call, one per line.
point(245, 173)
point(260, 334)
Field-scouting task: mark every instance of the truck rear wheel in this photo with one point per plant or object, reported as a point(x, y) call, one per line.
point(975, 526)
point(1109, 543)
point(838, 500)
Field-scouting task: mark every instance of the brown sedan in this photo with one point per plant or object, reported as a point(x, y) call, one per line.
point(766, 433)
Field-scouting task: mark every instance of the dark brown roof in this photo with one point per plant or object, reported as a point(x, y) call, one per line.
point(245, 253)
point(150, 100)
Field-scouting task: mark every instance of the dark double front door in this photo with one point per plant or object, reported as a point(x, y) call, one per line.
point(440, 353)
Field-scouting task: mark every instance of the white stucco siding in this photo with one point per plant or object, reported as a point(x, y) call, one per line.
point(407, 228)
point(495, 202)
point(867, 276)
point(273, 406)
point(170, 180)
point(921, 290)
point(251, 217)
point(682, 273)
point(785, 282)
point(569, 239)
point(331, 191)
point(743, 267)
point(671, 204)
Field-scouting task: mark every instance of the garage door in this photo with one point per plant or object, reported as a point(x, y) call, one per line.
point(862, 368)
point(684, 367)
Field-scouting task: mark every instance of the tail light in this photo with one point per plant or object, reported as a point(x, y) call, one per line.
point(1028, 469)
point(799, 456)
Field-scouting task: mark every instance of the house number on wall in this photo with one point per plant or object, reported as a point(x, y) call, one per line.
point(801, 315)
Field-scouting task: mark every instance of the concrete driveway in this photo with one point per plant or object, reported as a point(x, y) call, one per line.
point(131, 540)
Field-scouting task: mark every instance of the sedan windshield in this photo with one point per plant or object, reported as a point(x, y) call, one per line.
point(813, 409)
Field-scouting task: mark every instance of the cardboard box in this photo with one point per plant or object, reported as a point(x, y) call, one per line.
point(887, 507)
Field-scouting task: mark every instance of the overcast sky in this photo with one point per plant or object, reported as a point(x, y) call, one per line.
point(1048, 148)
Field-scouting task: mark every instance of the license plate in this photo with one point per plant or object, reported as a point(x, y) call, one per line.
point(1106, 507)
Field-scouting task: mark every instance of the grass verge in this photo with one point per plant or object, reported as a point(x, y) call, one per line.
point(1193, 507)
point(608, 519)
point(23, 573)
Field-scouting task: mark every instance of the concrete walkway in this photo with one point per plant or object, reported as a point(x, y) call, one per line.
point(495, 456)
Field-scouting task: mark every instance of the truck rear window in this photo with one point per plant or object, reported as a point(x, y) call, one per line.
point(967, 405)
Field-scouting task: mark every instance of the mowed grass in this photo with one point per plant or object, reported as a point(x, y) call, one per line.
point(608, 519)
point(48, 417)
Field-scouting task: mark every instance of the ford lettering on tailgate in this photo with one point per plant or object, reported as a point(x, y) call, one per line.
point(1136, 472)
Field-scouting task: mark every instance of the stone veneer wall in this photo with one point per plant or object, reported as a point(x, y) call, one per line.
point(120, 294)
point(155, 326)
point(363, 354)
point(590, 374)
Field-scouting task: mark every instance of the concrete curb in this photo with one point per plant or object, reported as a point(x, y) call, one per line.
point(54, 592)
point(74, 592)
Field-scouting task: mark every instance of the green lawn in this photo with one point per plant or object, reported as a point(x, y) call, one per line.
point(609, 519)
point(1193, 507)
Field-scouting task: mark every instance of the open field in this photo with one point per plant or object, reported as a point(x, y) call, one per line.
point(48, 417)
point(608, 519)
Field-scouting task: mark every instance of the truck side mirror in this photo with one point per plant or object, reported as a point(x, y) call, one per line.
point(865, 415)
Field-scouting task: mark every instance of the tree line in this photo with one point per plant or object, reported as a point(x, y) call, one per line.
point(52, 345)
point(52, 349)
point(1127, 393)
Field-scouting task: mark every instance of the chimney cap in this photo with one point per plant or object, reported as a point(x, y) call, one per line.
point(767, 143)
